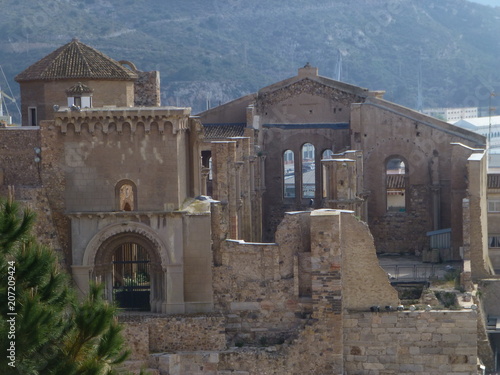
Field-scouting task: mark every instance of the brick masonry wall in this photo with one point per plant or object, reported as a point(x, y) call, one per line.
point(392, 343)
point(45, 228)
point(173, 333)
point(401, 232)
point(259, 310)
point(147, 89)
point(17, 157)
point(433, 343)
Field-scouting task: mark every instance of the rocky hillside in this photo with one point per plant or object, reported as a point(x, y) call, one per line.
point(423, 53)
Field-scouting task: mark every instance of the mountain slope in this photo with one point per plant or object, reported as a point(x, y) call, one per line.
point(425, 53)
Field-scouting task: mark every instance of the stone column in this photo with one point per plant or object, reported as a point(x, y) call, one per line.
point(478, 216)
point(436, 193)
point(341, 177)
point(224, 181)
point(204, 180)
point(326, 275)
point(81, 277)
point(174, 290)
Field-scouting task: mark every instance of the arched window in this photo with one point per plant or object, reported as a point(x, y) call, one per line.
point(288, 174)
point(327, 154)
point(396, 172)
point(308, 171)
point(126, 196)
point(206, 172)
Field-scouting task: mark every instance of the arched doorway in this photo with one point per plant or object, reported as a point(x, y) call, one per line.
point(129, 264)
point(131, 277)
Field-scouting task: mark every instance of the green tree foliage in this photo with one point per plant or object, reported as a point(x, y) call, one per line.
point(53, 332)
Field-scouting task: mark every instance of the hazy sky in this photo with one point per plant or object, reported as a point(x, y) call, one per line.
point(487, 2)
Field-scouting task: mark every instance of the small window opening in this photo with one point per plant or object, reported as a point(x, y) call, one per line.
point(396, 173)
point(288, 174)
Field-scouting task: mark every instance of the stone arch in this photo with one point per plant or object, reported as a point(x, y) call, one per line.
point(104, 254)
point(114, 230)
point(99, 253)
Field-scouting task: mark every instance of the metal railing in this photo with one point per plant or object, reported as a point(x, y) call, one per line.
point(420, 272)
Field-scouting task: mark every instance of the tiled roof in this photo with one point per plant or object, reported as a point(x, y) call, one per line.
point(221, 131)
point(493, 181)
point(76, 60)
point(395, 181)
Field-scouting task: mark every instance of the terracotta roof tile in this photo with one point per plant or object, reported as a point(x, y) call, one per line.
point(221, 131)
point(395, 181)
point(76, 60)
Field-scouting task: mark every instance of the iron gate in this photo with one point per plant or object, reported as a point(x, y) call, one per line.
point(131, 277)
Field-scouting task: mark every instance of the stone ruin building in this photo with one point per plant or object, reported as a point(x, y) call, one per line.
point(244, 240)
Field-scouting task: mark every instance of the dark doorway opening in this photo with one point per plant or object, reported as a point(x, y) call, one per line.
point(131, 277)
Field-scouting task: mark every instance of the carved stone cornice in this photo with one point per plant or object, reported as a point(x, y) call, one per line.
point(106, 121)
point(307, 86)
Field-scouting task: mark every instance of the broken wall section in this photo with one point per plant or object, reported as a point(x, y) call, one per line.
point(294, 291)
point(475, 217)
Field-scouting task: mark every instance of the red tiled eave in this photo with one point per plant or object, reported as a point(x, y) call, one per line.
point(76, 60)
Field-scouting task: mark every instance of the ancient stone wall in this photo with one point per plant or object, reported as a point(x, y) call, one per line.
point(147, 89)
point(393, 343)
point(99, 148)
point(17, 156)
point(385, 343)
point(44, 95)
point(476, 217)
point(45, 226)
point(259, 305)
point(365, 283)
point(400, 232)
point(434, 172)
point(290, 115)
point(152, 334)
point(234, 171)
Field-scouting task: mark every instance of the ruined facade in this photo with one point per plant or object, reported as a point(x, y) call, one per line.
point(332, 117)
point(248, 235)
